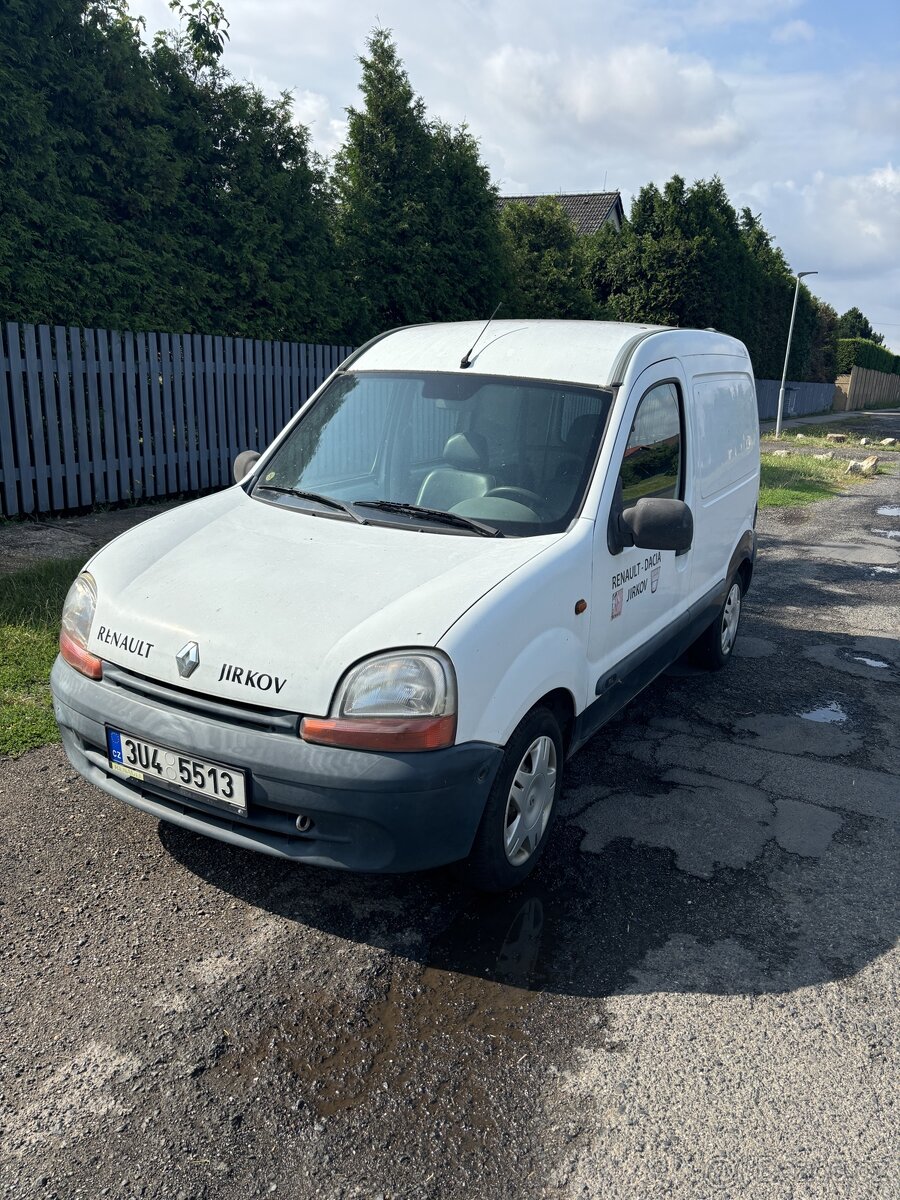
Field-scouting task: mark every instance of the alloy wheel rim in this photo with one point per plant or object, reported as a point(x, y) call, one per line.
point(530, 801)
point(730, 618)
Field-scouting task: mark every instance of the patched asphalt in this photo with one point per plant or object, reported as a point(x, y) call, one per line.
point(696, 995)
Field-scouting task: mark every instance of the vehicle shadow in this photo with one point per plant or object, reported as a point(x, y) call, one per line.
point(624, 920)
point(625, 916)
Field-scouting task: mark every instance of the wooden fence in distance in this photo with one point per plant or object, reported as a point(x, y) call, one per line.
point(91, 416)
point(873, 389)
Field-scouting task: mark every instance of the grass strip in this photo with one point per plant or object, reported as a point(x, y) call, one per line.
point(802, 479)
point(30, 606)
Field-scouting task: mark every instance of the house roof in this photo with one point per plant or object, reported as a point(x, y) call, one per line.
point(587, 210)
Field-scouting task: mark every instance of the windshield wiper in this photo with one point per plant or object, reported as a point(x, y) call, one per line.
point(329, 501)
point(433, 514)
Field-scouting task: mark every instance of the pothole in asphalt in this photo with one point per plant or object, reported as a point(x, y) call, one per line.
point(868, 658)
point(886, 570)
point(889, 510)
point(865, 655)
point(829, 714)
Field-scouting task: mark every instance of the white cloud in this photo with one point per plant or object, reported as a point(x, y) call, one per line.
point(641, 93)
point(793, 31)
point(847, 227)
point(327, 133)
point(852, 221)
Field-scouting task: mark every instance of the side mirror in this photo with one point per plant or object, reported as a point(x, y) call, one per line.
point(244, 464)
point(658, 525)
point(651, 524)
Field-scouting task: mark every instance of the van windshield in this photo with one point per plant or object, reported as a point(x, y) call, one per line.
point(514, 454)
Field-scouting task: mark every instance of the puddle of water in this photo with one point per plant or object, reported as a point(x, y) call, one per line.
point(889, 510)
point(887, 570)
point(870, 662)
point(888, 533)
point(831, 714)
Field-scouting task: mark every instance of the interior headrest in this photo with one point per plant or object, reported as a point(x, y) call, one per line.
point(466, 452)
point(582, 431)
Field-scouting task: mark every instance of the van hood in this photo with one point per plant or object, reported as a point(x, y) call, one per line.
point(279, 602)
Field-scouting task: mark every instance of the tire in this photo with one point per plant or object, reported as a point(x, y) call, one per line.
point(714, 647)
point(503, 856)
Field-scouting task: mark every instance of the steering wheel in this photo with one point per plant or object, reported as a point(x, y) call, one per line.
point(520, 495)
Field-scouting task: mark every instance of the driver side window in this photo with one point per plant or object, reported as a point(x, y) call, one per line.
point(653, 462)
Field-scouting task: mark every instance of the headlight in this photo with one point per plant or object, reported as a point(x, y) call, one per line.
point(77, 616)
point(401, 701)
point(398, 685)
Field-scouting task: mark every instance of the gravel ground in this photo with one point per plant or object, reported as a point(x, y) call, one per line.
point(696, 996)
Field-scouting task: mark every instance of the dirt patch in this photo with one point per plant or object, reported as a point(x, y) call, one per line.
point(23, 543)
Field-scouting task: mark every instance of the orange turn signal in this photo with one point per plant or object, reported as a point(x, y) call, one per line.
point(79, 658)
point(400, 734)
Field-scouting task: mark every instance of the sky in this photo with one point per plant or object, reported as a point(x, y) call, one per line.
point(795, 104)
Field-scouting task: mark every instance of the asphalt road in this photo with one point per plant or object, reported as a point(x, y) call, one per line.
point(695, 997)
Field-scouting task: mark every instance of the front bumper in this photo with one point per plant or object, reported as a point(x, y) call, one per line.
point(370, 811)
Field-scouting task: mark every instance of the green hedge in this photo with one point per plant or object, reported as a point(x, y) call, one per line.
point(859, 352)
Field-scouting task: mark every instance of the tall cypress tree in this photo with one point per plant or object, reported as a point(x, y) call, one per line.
point(417, 218)
point(382, 181)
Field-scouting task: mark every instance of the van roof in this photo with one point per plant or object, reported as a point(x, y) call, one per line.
point(589, 352)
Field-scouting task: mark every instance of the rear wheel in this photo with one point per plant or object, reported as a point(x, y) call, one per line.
point(520, 807)
point(715, 645)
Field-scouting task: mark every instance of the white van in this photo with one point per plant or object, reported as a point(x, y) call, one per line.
point(449, 570)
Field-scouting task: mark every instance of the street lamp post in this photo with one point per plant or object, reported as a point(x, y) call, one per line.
point(787, 353)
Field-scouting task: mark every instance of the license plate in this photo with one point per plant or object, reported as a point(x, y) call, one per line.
point(139, 759)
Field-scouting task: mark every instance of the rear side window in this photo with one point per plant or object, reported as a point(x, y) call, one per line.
point(652, 465)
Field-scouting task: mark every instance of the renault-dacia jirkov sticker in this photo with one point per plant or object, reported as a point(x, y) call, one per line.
point(635, 580)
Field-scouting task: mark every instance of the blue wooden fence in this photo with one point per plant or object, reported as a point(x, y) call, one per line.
point(91, 416)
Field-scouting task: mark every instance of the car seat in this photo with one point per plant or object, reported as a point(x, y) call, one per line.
point(465, 476)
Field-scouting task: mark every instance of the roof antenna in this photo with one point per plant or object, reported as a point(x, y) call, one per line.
point(466, 360)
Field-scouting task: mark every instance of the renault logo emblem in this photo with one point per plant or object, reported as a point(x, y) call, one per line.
point(188, 659)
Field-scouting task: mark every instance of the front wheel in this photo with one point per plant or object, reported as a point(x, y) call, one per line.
point(520, 807)
point(714, 647)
